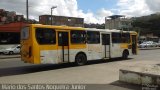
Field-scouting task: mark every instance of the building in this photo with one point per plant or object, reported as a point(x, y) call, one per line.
point(10, 27)
point(118, 22)
point(61, 20)
point(10, 17)
point(10, 33)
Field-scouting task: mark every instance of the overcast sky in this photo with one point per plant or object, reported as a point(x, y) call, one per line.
point(94, 11)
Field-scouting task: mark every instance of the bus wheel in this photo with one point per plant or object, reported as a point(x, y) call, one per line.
point(80, 59)
point(125, 54)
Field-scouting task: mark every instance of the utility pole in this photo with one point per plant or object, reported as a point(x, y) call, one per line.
point(53, 7)
point(27, 10)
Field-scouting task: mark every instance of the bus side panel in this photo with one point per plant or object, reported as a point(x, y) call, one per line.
point(48, 54)
point(35, 49)
point(48, 57)
point(26, 45)
point(94, 51)
point(125, 46)
point(44, 54)
point(74, 52)
point(25, 51)
point(75, 49)
point(115, 50)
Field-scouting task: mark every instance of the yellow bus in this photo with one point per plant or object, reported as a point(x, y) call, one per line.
point(46, 44)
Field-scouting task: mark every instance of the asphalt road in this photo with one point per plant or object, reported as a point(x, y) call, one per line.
point(103, 73)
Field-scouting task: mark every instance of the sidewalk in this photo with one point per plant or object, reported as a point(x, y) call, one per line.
point(9, 56)
point(141, 75)
point(149, 48)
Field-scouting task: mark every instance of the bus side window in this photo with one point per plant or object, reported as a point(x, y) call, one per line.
point(125, 38)
point(116, 37)
point(45, 36)
point(78, 37)
point(93, 37)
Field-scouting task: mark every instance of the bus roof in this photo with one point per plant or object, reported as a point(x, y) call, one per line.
point(80, 28)
point(108, 30)
point(57, 27)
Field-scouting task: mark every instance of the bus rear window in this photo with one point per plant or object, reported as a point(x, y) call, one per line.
point(45, 36)
point(25, 33)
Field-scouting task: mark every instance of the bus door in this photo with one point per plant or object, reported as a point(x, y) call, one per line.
point(134, 44)
point(106, 45)
point(63, 46)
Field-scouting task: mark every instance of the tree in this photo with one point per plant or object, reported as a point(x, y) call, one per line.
point(148, 24)
point(91, 25)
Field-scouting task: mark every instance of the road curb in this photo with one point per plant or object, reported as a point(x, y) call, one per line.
point(141, 75)
point(9, 57)
point(148, 48)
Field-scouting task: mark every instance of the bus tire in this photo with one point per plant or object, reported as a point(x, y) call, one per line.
point(125, 54)
point(80, 59)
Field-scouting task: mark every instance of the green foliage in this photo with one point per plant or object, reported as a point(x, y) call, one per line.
point(91, 25)
point(148, 24)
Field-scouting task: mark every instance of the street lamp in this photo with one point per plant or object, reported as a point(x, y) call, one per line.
point(53, 7)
